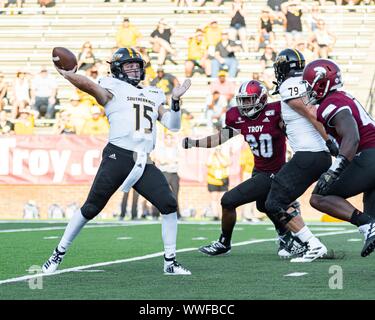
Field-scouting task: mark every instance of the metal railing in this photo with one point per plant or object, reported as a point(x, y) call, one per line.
point(371, 96)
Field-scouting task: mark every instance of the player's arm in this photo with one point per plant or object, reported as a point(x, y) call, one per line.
point(211, 141)
point(171, 118)
point(85, 84)
point(347, 129)
point(299, 106)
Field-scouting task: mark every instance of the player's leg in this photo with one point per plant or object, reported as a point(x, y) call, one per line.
point(358, 177)
point(289, 184)
point(246, 192)
point(111, 174)
point(154, 187)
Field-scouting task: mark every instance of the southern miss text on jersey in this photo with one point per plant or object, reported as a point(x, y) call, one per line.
point(267, 141)
point(132, 114)
point(340, 100)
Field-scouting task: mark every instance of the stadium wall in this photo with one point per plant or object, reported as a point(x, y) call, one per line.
point(13, 198)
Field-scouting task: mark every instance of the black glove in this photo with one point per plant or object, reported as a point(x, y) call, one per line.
point(188, 143)
point(327, 179)
point(332, 147)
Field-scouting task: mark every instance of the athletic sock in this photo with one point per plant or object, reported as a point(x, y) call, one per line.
point(225, 239)
point(304, 234)
point(74, 226)
point(169, 234)
point(359, 218)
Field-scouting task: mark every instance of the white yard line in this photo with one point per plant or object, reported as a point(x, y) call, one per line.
point(89, 226)
point(148, 256)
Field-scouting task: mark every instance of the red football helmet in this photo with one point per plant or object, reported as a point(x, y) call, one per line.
point(321, 76)
point(251, 98)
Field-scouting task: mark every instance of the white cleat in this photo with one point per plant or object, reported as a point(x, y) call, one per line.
point(51, 265)
point(315, 250)
point(173, 268)
point(368, 230)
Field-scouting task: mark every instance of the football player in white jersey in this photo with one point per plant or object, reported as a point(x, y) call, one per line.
point(310, 144)
point(132, 111)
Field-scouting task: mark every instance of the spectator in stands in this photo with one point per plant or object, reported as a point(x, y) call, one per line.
point(265, 32)
point(161, 42)
point(78, 112)
point(197, 55)
point(46, 4)
point(127, 35)
point(275, 5)
point(238, 24)
point(212, 35)
point(217, 179)
point(314, 17)
point(43, 94)
point(97, 124)
point(21, 92)
point(166, 157)
point(3, 91)
point(323, 2)
point(181, 3)
point(293, 11)
point(93, 74)
point(24, 124)
point(124, 204)
point(64, 124)
point(150, 73)
point(86, 57)
point(216, 107)
point(6, 126)
point(368, 2)
point(165, 81)
point(11, 4)
point(186, 123)
point(305, 48)
point(323, 40)
point(266, 61)
point(201, 3)
point(225, 56)
point(225, 87)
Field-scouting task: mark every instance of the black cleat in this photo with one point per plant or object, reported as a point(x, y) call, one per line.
point(215, 248)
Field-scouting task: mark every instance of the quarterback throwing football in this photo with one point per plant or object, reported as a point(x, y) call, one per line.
point(132, 112)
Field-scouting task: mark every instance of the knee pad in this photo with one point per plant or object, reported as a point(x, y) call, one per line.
point(90, 211)
point(284, 216)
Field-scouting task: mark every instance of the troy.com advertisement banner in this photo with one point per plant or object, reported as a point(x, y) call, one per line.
point(70, 159)
point(64, 159)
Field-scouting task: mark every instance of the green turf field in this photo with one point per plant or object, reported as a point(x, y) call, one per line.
point(251, 271)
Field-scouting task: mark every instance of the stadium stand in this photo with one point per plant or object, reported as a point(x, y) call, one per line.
point(26, 39)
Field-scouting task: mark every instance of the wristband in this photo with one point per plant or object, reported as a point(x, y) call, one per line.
point(175, 105)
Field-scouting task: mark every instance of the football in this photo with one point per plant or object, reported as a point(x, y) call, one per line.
point(64, 58)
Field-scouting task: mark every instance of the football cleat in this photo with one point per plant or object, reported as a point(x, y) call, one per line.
point(215, 248)
point(315, 250)
point(173, 268)
point(368, 231)
point(53, 262)
point(290, 246)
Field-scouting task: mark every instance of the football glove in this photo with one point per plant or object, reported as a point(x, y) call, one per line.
point(332, 147)
point(327, 179)
point(180, 90)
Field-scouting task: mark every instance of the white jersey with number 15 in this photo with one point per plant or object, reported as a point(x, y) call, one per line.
point(132, 114)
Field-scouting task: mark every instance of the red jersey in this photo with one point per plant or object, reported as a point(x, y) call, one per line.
point(266, 139)
point(340, 100)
